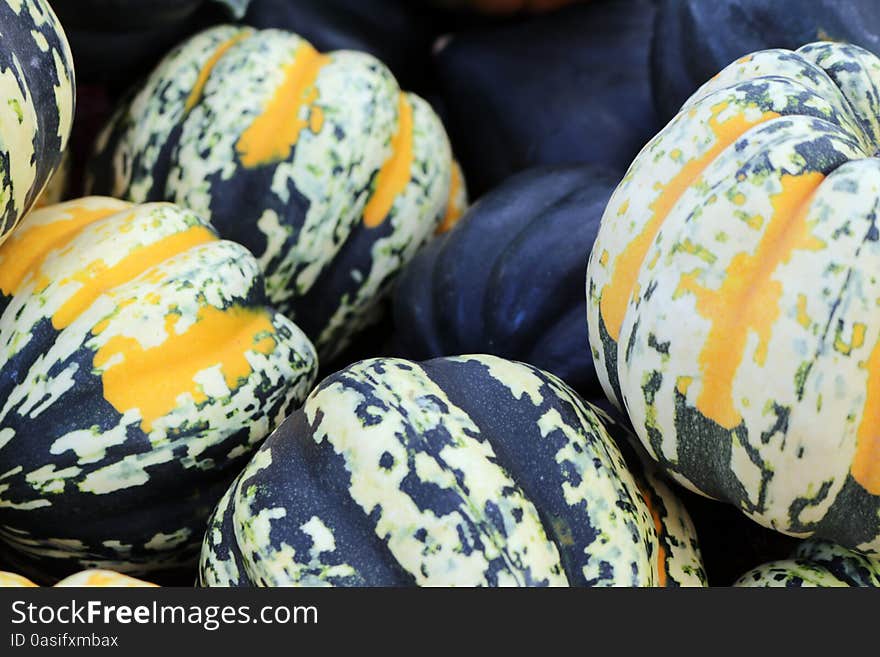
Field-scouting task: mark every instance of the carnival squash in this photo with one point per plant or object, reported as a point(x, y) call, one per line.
point(816, 563)
point(733, 292)
point(36, 104)
point(317, 163)
point(467, 471)
point(139, 367)
point(508, 279)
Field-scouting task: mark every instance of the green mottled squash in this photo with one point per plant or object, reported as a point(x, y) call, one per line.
point(140, 365)
point(465, 471)
point(733, 296)
point(318, 163)
point(36, 104)
point(816, 563)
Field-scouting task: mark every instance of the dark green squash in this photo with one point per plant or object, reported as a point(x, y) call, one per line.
point(568, 87)
point(694, 39)
point(36, 104)
point(469, 471)
point(508, 279)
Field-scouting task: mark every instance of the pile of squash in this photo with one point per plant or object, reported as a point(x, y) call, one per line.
point(473, 293)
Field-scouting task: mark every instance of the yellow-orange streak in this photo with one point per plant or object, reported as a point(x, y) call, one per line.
point(106, 578)
point(748, 299)
point(27, 249)
point(11, 579)
point(196, 93)
point(616, 294)
point(152, 379)
point(865, 467)
point(395, 174)
point(454, 210)
point(273, 134)
point(658, 525)
point(96, 277)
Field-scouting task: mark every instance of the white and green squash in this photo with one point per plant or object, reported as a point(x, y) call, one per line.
point(816, 563)
point(140, 366)
point(318, 163)
point(459, 471)
point(734, 295)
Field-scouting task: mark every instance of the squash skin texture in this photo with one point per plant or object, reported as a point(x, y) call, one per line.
point(37, 86)
point(488, 286)
point(816, 563)
point(731, 307)
point(318, 163)
point(140, 366)
point(466, 471)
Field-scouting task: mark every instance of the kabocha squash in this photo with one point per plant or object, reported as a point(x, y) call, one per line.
point(139, 367)
point(506, 6)
point(317, 163)
point(92, 578)
point(568, 87)
point(456, 471)
point(36, 111)
point(508, 279)
point(816, 563)
point(694, 39)
point(733, 296)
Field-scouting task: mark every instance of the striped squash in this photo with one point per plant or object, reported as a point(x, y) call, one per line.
point(139, 367)
point(36, 104)
point(734, 306)
point(318, 163)
point(467, 471)
point(816, 563)
point(92, 578)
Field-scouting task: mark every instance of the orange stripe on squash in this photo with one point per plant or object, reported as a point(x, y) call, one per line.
point(195, 94)
point(96, 277)
point(395, 174)
point(748, 299)
point(270, 138)
point(153, 379)
point(865, 467)
point(453, 208)
point(617, 293)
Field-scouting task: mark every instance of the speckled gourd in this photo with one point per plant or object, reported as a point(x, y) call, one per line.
point(92, 578)
point(140, 365)
point(733, 295)
point(36, 104)
point(816, 563)
point(318, 163)
point(465, 471)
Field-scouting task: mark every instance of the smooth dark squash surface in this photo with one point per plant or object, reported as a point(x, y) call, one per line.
point(508, 279)
point(567, 87)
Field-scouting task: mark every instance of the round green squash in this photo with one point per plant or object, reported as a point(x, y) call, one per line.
point(466, 471)
point(36, 104)
point(733, 295)
point(140, 365)
point(318, 163)
point(816, 563)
